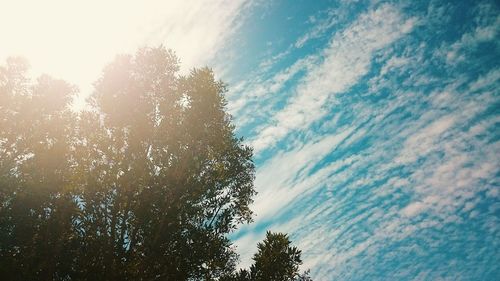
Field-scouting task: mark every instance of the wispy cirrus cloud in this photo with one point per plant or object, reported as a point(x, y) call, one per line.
point(345, 60)
point(414, 164)
point(470, 41)
point(340, 65)
point(360, 218)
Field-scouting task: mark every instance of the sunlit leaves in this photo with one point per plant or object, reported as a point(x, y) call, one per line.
point(145, 185)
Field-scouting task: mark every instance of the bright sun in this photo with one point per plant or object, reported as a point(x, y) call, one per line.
point(73, 40)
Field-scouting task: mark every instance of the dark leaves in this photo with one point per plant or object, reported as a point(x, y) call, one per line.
point(144, 186)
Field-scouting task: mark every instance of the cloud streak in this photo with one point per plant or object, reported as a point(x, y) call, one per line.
point(398, 180)
point(346, 59)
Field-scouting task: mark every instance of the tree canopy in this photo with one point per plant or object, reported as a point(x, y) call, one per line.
point(145, 185)
point(276, 260)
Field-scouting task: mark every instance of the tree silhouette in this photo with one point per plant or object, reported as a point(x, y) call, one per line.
point(146, 185)
point(276, 260)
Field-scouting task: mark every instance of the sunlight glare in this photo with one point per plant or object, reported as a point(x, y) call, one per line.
point(73, 40)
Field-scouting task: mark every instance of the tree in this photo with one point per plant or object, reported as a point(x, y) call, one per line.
point(146, 185)
point(36, 210)
point(275, 260)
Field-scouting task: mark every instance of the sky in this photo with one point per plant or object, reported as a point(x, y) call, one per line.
point(375, 124)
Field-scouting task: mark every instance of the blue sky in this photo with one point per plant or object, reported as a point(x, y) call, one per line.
point(375, 124)
point(376, 131)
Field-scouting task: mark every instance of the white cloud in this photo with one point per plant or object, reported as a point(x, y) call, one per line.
point(491, 78)
point(470, 40)
point(346, 59)
point(393, 63)
point(361, 218)
point(413, 209)
point(284, 179)
point(425, 140)
point(333, 16)
point(258, 89)
point(287, 176)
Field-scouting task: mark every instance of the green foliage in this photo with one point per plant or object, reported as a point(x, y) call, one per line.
point(144, 186)
point(276, 260)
